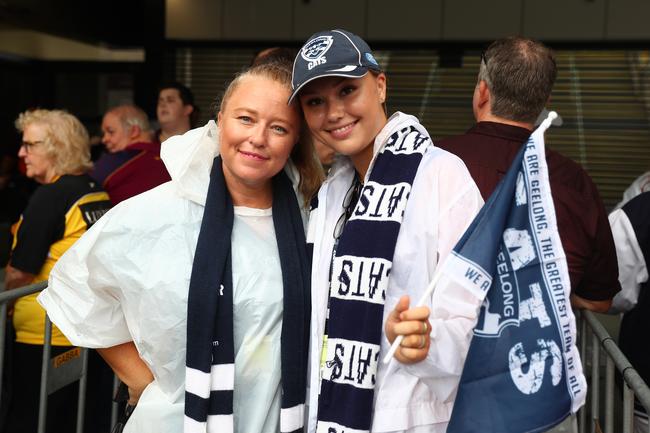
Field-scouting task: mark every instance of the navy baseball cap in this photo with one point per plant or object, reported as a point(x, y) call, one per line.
point(331, 53)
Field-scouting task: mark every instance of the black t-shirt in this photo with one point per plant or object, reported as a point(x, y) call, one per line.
point(636, 322)
point(64, 208)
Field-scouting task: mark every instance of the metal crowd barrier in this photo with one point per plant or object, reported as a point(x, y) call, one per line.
point(5, 297)
point(56, 372)
point(633, 384)
point(72, 366)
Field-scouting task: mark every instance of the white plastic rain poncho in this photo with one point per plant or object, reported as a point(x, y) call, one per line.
point(127, 278)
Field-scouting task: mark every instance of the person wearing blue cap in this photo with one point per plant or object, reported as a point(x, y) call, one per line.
point(392, 208)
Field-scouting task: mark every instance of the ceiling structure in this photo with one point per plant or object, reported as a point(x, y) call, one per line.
point(114, 23)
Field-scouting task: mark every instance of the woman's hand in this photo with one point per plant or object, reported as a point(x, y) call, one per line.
point(413, 324)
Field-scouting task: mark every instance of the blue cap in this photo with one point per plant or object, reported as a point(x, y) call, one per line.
point(330, 53)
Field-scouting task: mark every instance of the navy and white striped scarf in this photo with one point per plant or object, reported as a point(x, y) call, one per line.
point(210, 363)
point(359, 278)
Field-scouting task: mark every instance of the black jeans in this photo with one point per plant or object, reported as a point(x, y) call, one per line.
point(22, 416)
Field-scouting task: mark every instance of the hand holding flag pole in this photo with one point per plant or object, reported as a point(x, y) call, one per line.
point(434, 281)
point(427, 293)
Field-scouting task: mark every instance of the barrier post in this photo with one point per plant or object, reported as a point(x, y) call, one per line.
point(582, 413)
point(45, 369)
point(595, 382)
point(628, 409)
point(81, 402)
point(609, 396)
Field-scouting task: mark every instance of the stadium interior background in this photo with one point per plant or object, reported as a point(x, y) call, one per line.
point(88, 56)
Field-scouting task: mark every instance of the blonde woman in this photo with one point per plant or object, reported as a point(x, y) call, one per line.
point(205, 313)
point(56, 151)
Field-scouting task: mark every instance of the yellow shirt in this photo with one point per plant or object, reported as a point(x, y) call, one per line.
point(56, 216)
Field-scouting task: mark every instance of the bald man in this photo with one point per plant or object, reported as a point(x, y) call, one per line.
point(132, 164)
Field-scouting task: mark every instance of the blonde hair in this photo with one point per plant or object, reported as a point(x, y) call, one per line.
point(66, 142)
point(303, 154)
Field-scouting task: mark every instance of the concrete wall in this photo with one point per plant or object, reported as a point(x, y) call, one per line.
point(41, 46)
point(418, 20)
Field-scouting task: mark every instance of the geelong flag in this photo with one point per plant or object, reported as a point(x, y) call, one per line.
point(523, 371)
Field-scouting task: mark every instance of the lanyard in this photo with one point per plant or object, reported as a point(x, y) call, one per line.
point(349, 203)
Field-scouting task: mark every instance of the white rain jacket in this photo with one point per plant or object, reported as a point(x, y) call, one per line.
point(127, 278)
point(443, 202)
point(632, 270)
point(640, 184)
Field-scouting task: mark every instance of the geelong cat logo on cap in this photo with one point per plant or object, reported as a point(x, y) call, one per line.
point(314, 51)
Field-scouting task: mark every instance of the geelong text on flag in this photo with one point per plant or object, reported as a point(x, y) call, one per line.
point(523, 371)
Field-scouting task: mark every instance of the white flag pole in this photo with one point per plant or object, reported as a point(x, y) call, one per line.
point(552, 115)
point(434, 281)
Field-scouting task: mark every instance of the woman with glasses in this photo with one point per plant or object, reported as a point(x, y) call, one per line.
point(56, 152)
point(392, 208)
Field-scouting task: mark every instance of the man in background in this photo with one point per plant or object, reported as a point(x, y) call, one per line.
point(176, 112)
point(631, 228)
point(132, 164)
point(515, 80)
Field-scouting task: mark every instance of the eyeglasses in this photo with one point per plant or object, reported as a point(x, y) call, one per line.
point(30, 145)
point(349, 203)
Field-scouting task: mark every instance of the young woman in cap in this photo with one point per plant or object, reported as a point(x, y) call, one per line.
point(197, 292)
point(390, 211)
